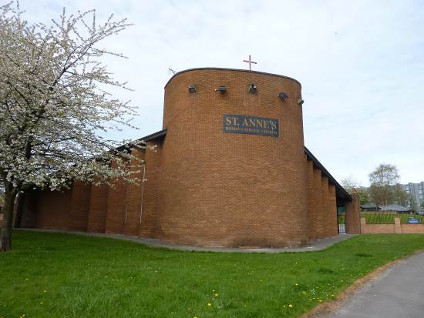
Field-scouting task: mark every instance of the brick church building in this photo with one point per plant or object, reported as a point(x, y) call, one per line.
point(229, 168)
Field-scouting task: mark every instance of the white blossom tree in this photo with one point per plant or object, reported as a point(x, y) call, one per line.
point(53, 104)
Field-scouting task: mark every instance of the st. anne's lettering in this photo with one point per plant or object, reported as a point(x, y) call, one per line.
point(242, 124)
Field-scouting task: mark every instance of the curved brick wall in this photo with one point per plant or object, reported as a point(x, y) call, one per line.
point(228, 189)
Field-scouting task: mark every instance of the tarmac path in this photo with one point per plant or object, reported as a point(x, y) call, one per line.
point(398, 292)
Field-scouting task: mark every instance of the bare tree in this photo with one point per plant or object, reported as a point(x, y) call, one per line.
point(350, 183)
point(383, 181)
point(53, 103)
point(400, 195)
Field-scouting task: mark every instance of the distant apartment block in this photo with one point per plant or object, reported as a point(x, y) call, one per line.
point(416, 191)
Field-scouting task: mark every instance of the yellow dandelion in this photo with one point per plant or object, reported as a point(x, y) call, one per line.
point(216, 294)
point(297, 284)
point(209, 305)
point(290, 306)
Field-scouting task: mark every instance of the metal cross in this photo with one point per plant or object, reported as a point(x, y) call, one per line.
point(250, 62)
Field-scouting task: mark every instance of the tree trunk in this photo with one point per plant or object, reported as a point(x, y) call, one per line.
point(7, 225)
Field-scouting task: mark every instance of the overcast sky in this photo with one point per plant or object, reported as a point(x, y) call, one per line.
point(361, 65)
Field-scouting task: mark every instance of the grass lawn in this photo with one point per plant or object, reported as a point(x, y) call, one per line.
point(63, 275)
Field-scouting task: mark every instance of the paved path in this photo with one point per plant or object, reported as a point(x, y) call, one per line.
point(397, 293)
point(312, 246)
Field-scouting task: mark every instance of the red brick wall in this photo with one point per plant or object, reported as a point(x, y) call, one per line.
point(396, 228)
point(332, 217)
point(98, 208)
point(318, 206)
point(322, 219)
point(149, 225)
point(352, 214)
point(29, 210)
point(116, 206)
point(53, 209)
point(312, 203)
point(232, 189)
point(376, 228)
point(326, 207)
point(80, 205)
point(412, 228)
point(322, 207)
point(133, 196)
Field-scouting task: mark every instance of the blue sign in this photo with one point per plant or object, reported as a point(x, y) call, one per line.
point(242, 124)
point(413, 221)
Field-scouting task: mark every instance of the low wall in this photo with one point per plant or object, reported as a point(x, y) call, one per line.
point(412, 228)
point(396, 228)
